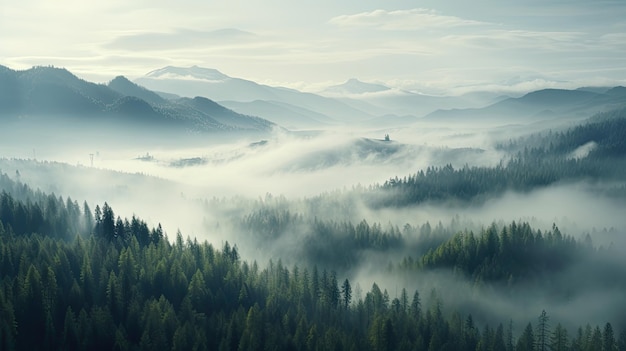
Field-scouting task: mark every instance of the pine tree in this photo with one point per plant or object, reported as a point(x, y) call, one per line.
point(346, 291)
point(87, 220)
point(608, 338)
point(509, 336)
point(404, 300)
point(621, 342)
point(595, 343)
point(108, 222)
point(416, 306)
point(543, 329)
point(526, 341)
point(559, 339)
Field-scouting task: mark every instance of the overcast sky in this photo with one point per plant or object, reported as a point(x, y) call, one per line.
point(429, 46)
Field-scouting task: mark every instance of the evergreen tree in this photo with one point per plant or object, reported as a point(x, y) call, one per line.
point(346, 291)
point(608, 338)
point(559, 339)
point(543, 329)
point(526, 341)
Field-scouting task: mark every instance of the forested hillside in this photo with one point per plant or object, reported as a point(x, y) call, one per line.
point(85, 277)
point(592, 151)
point(51, 96)
point(100, 282)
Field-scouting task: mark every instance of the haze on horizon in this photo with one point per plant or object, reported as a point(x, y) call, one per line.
point(426, 46)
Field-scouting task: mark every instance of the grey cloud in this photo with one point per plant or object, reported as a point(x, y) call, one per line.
point(402, 20)
point(180, 38)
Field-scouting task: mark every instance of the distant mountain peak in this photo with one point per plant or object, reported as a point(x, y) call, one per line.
point(193, 72)
point(617, 91)
point(124, 86)
point(355, 86)
point(120, 80)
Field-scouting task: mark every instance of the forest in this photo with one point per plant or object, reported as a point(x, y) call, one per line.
point(304, 175)
point(290, 273)
point(539, 160)
point(88, 279)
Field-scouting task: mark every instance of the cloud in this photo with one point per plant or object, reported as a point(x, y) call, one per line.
point(411, 19)
point(179, 38)
point(510, 39)
point(614, 40)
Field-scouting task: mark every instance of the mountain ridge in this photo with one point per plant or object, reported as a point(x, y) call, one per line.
point(551, 103)
point(54, 92)
point(173, 79)
point(356, 87)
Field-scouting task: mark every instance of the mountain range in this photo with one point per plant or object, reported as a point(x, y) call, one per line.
point(539, 105)
point(213, 101)
point(276, 104)
point(354, 86)
point(47, 93)
point(353, 101)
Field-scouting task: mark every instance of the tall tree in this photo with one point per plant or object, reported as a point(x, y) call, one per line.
point(108, 222)
point(608, 338)
point(621, 342)
point(543, 330)
point(346, 291)
point(509, 336)
point(526, 341)
point(416, 306)
point(87, 218)
point(559, 339)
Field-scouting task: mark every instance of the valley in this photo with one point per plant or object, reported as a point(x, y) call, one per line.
point(313, 176)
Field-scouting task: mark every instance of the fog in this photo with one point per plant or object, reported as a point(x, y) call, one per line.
point(161, 177)
point(205, 185)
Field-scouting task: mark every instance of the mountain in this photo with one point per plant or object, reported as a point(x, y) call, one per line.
point(541, 104)
point(355, 87)
point(51, 91)
point(224, 115)
point(193, 72)
point(125, 87)
point(198, 81)
point(48, 94)
point(383, 101)
point(405, 103)
point(286, 115)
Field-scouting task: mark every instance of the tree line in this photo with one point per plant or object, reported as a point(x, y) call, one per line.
point(536, 161)
point(104, 289)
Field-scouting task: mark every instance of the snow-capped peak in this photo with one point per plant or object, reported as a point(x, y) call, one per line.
point(355, 86)
point(193, 72)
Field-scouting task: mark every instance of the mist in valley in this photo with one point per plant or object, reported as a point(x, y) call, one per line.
point(313, 176)
point(215, 187)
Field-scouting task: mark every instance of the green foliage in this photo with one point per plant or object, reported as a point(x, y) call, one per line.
point(103, 292)
point(537, 162)
point(336, 244)
point(507, 254)
point(79, 280)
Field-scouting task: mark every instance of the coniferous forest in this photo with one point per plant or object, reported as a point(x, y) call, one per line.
point(93, 281)
point(306, 175)
point(79, 276)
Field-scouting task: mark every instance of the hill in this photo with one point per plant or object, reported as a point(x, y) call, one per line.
point(197, 81)
point(541, 104)
point(355, 86)
point(49, 94)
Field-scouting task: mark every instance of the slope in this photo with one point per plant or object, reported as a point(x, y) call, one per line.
point(198, 81)
point(541, 104)
point(50, 96)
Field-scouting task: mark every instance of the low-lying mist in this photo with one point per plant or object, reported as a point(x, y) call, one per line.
point(253, 164)
point(211, 186)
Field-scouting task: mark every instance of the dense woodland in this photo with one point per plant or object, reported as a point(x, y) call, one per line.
point(335, 235)
point(536, 161)
point(95, 281)
point(77, 278)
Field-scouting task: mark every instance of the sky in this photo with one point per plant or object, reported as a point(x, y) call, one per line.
point(437, 47)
